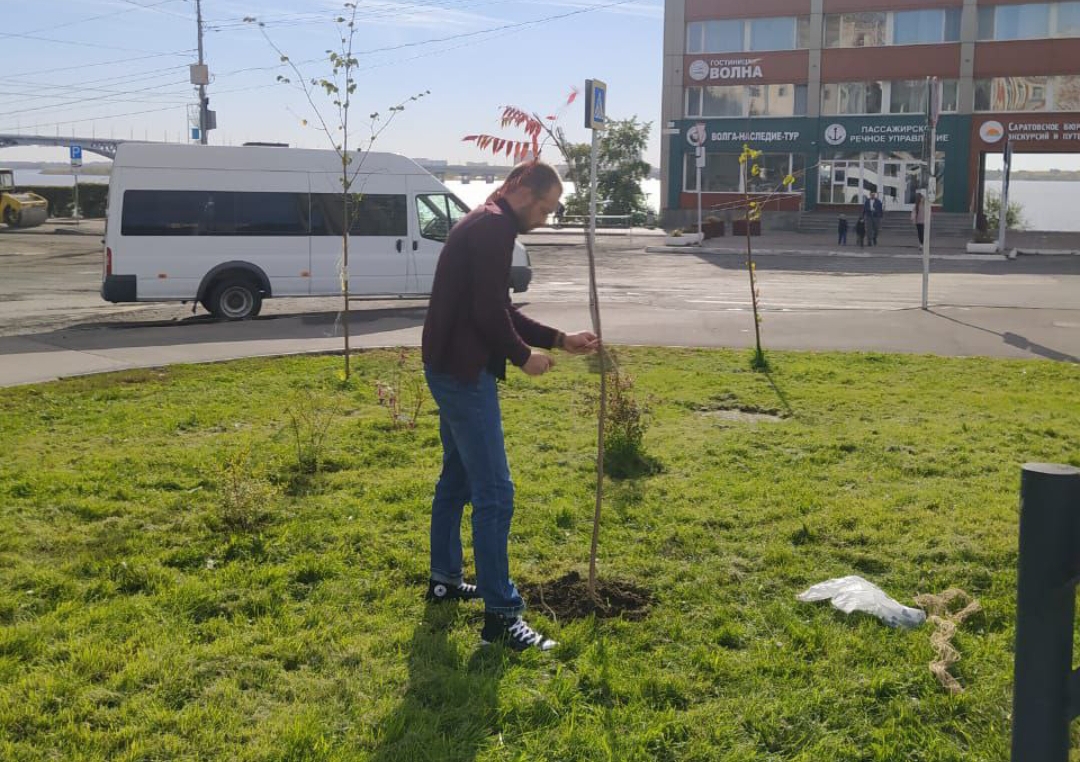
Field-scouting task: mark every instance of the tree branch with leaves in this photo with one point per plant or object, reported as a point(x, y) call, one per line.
point(339, 86)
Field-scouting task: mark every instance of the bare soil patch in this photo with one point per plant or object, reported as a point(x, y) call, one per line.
point(567, 598)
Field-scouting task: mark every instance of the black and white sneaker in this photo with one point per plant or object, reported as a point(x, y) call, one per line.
point(441, 591)
point(513, 632)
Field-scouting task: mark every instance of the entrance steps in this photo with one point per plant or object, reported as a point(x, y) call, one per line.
point(943, 223)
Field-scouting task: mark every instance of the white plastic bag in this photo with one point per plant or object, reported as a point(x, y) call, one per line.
point(856, 594)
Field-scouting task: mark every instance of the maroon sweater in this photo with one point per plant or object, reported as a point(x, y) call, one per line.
point(471, 323)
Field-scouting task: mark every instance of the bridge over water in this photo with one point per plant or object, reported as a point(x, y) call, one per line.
point(107, 148)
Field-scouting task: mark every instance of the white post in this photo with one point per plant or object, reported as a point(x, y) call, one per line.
point(933, 110)
point(1003, 212)
point(928, 207)
point(78, 213)
point(698, 157)
point(594, 153)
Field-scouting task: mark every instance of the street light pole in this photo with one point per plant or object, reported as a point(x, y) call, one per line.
point(202, 86)
point(933, 110)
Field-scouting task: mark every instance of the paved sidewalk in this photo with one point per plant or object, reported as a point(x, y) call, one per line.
point(893, 243)
point(1051, 334)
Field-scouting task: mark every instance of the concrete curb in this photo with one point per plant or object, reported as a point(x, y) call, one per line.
point(1047, 252)
point(819, 253)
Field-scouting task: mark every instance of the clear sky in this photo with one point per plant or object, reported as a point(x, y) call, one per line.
point(119, 68)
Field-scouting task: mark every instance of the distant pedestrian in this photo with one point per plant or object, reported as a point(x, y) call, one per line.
point(873, 212)
point(918, 216)
point(841, 230)
point(860, 230)
point(560, 212)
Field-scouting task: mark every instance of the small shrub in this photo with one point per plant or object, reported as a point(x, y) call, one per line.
point(246, 494)
point(624, 428)
point(1014, 215)
point(310, 418)
point(404, 394)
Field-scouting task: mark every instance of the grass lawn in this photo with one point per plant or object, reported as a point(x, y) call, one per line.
point(173, 587)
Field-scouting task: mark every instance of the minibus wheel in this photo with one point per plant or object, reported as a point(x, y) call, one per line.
point(235, 299)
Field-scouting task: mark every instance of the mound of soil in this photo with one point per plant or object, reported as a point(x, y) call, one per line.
point(568, 598)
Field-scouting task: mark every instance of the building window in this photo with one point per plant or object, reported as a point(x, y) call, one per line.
point(719, 175)
point(1068, 19)
point(1066, 92)
point(1012, 94)
point(1060, 93)
point(773, 167)
point(743, 35)
point(896, 176)
point(899, 97)
point(851, 98)
point(746, 100)
point(926, 26)
point(877, 29)
point(714, 36)
point(1029, 21)
point(772, 34)
point(856, 30)
point(722, 173)
point(723, 101)
point(776, 100)
point(909, 96)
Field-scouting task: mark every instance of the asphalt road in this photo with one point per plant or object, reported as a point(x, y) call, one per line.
point(56, 324)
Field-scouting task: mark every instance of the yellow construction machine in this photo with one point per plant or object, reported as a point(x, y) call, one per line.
point(20, 210)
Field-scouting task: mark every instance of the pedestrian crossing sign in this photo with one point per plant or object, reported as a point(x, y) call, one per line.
point(595, 104)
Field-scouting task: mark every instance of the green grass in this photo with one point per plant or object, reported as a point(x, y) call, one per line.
point(172, 587)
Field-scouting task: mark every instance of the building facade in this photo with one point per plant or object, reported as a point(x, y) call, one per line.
point(834, 93)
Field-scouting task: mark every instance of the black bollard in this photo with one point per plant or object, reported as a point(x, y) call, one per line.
point(1045, 607)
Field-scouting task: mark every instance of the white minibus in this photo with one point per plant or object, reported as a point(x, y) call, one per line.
point(230, 226)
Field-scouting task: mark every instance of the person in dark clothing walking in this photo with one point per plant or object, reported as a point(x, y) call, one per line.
point(841, 230)
point(918, 216)
point(873, 212)
point(470, 332)
point(860, 230)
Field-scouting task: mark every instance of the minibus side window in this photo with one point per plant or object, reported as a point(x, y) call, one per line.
point(373, 214)
point(380, 214)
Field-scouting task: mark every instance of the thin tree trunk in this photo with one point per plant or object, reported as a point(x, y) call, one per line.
point(594, 308)
point(345, 275)
point(753, 286)
point(601, 418)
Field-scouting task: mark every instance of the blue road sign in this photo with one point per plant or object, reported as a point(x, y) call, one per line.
point(76, 156)
point(595, 104)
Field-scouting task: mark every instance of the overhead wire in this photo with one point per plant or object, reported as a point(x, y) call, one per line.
point(493, 32)
point(114, 62)
point(390, 11)
point(88, 19)
point(74, 42)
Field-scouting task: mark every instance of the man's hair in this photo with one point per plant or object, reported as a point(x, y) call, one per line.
point(537, 176)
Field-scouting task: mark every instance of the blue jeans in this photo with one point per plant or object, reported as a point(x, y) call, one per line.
point(474, 470)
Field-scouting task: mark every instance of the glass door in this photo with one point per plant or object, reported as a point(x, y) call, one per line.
point(893, 185)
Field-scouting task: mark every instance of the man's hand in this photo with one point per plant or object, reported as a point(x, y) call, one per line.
point(538, 364)
point(580, 343)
